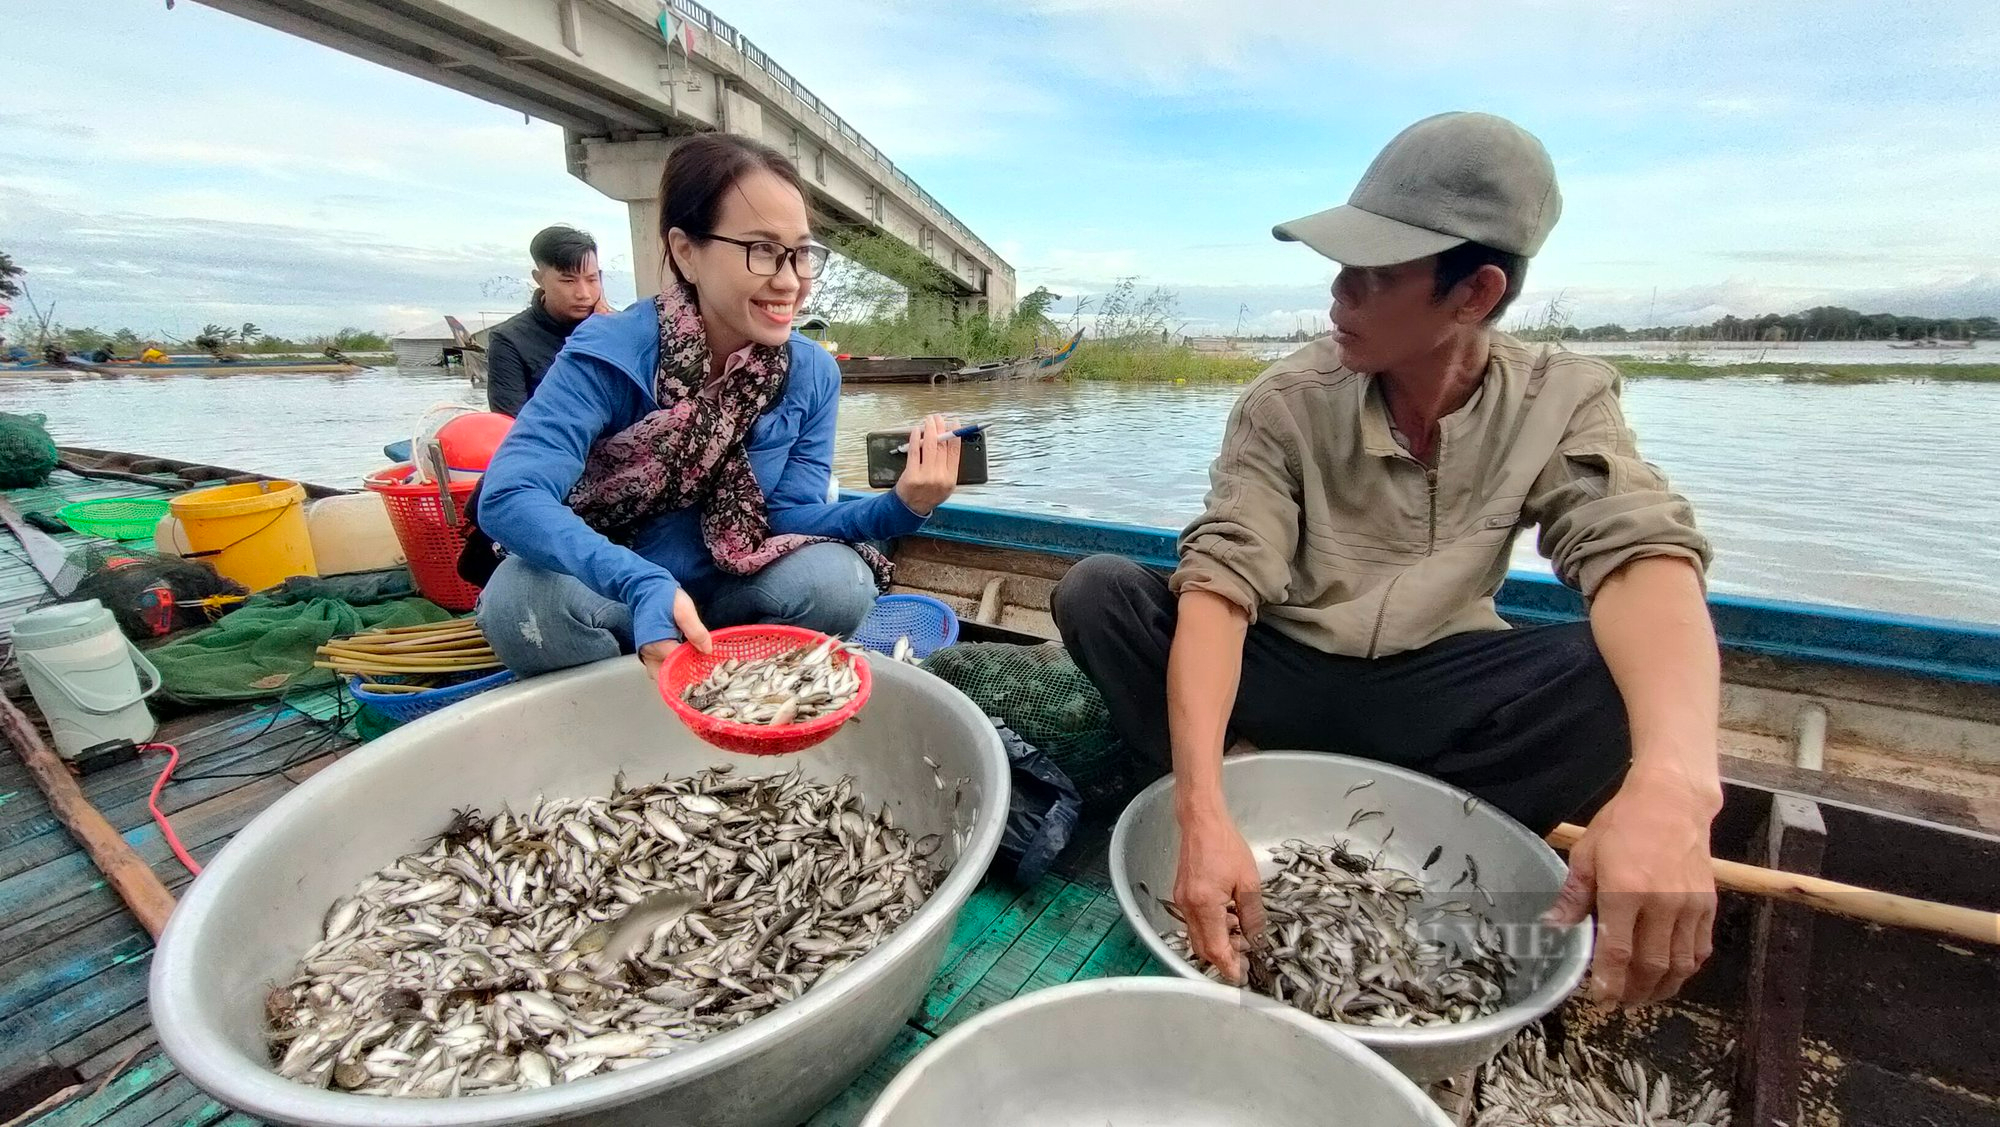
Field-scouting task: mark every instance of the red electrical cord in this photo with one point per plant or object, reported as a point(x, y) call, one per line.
point(153, 804)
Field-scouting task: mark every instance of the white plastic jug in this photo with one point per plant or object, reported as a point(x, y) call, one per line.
point(86, 677)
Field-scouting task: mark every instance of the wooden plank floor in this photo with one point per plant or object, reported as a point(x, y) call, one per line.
point(73, 962)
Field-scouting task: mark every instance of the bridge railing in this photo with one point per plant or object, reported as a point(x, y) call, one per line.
point(696, 14)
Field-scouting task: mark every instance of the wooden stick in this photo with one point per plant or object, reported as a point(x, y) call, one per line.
point(380, 687)
point(373, 668)
point(414, 645)
point(1839, 899)
point(473, 643)
point(447, 624)
point(121, 865)
point(337, 654)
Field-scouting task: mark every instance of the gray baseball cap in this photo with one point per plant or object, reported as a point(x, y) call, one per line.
point(1450, 179)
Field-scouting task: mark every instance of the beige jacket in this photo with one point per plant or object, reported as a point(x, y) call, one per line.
point(1320, 522)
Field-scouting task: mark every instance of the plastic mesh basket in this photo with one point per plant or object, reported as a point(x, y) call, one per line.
point(430, 542)
point(687, 666)
point(928, 623)
point(401, 708)
point(118, 518)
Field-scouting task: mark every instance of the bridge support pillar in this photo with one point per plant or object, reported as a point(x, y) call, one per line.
point(630, 171)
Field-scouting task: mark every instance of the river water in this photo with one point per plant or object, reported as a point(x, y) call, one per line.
point(1882, 495)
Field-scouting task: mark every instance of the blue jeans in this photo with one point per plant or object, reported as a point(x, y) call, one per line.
point(540, 621)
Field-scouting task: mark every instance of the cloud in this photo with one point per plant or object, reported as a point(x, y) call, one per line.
point(150, 274)
point(1735, 158)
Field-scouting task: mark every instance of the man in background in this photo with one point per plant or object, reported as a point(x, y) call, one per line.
point(568, 288)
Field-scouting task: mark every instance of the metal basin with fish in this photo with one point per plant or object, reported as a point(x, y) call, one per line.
point(244, 924)
point(1285, 795)
point(1154, 1051)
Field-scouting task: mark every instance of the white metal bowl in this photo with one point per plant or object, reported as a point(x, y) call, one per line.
point(246, 921)
point(1281, 795)
point(1155, 1051)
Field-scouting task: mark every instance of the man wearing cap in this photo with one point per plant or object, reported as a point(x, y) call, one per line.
point(1336, 593)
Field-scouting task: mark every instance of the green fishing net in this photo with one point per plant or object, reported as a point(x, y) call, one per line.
point(264, 649)
point(1041, 694)
point(27, 453)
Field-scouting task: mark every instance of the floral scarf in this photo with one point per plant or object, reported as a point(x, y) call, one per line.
point(689, 451)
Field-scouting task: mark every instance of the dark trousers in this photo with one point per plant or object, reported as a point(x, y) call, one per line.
point(1528, 720)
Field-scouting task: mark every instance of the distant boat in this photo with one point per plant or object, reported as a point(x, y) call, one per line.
point(1933, 342)
point(1026, 368)
point(895, 369)
point(866, 370)
point(190, 366)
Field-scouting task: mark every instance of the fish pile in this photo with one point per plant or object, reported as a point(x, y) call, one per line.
point(1527, 1085)
point(1353, 941)
point(492, 960)
point(793, 687)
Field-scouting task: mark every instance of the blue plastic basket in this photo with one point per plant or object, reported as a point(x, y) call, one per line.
point(930, 625)
point(401, 708)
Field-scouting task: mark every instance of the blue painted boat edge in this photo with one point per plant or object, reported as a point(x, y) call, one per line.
point(1936, 648)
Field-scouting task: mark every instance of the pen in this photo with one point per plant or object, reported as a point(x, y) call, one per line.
point(962, 432)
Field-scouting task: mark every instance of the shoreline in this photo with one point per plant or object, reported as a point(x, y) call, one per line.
point(1186, 366)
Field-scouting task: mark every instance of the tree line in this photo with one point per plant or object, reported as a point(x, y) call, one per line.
point(124, 344)
point(1824, 322)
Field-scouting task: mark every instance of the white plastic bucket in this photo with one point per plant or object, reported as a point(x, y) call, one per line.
point(85, 676)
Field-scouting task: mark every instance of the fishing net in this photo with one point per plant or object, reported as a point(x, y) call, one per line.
point(266, 648)
point(27, 453)
point(1041, 694)
point(150, 595)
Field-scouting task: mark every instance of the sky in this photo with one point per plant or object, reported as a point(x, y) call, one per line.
point(160, 169)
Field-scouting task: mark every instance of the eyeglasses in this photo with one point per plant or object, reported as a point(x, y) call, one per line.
point(765, 258)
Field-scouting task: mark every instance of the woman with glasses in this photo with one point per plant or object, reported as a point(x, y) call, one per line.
point(672, 472)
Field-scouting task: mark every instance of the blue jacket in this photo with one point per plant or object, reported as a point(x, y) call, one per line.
point(601, 383)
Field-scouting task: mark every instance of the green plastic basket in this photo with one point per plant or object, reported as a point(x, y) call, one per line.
point(117, 518)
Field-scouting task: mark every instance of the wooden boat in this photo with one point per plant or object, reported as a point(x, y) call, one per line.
point(1931, 343)
point(1863, 747)
point(190, 366)
point(1831, 1021)
point(1030, 367)
point(860, 370)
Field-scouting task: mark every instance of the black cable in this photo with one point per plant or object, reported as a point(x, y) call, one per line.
point(327, 735)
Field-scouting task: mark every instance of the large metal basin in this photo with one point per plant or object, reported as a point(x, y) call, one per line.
point(1157, 1051)
point(1281, 795)
point(247, 920)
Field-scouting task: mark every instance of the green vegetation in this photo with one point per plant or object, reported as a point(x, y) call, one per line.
point(8, 272)
point(1131, 330)
point(249, 340)
point(1162, 365)
point(1634, 367)
point(1825, 322)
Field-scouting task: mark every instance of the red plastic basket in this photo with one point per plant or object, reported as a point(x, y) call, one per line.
point(687, 666)
point(430, 542)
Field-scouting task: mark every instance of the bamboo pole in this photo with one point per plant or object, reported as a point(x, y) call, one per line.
point(470, 641)
point(447, 624)
point(121, 865)
point(1840, 899)
point(405, 667)
point(336, 652)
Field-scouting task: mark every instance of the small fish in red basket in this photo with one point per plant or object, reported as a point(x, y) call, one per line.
point(766, 690)
point(794, 687)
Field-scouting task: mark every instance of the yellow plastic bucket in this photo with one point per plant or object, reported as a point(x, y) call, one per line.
point(255, 533)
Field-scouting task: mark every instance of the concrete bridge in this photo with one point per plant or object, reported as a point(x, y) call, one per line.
point(627, 78)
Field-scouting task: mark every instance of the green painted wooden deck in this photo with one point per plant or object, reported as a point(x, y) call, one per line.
point(73, 963)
